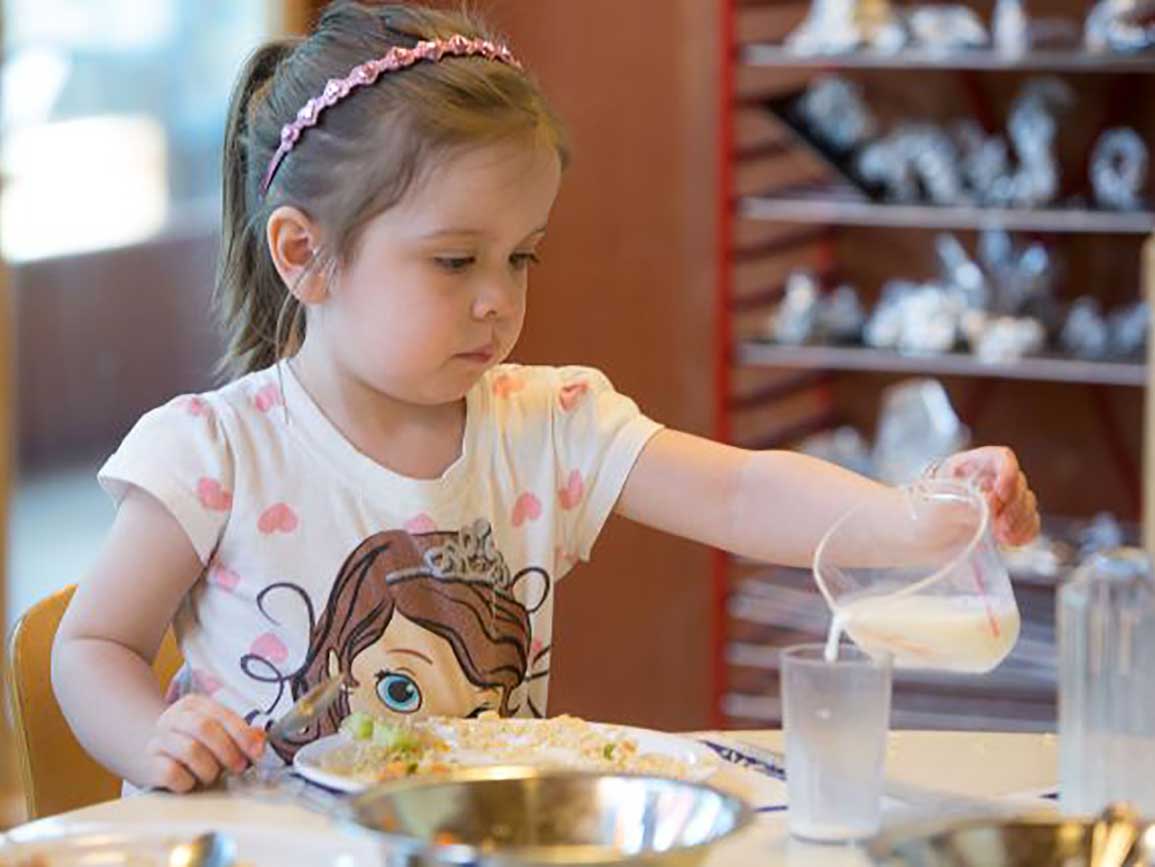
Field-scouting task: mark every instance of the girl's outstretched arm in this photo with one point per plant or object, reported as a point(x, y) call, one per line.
point(775, 506)
point(101, 660)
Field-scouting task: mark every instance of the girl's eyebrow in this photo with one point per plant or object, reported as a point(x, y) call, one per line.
point(467, 233)
point(409, 652)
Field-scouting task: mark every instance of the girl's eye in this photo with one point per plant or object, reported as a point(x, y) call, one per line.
point(521, 261)
point(457, 264)
point(399, 691)
point(454, 263)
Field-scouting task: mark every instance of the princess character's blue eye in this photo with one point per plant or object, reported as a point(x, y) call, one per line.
point(400, 692)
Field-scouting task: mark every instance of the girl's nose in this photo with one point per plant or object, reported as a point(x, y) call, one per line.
point(497, 299)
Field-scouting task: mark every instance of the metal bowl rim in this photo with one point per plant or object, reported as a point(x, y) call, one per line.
point(884, 844)
point(545, 855)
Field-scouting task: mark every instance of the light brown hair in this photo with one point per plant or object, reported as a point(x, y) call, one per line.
point(363, 157)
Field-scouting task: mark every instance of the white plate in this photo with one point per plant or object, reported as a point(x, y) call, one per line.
point(259, 846)
point(309, 761)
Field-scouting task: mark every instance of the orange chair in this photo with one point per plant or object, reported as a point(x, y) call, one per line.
point(56, 773)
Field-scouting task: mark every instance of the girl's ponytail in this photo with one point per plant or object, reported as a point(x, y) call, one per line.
point(250, 296)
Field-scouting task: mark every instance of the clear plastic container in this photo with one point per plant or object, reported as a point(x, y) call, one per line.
point(1106, 635)
point(933, 591)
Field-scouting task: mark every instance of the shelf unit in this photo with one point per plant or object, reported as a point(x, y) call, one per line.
point(770, 394)
point(849, 358)
point(832, 204)
point(977, 60)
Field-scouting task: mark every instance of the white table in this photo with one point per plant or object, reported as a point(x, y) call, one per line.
point(1017, 767)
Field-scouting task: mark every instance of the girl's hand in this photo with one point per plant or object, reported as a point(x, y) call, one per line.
point(195, 739)
point(1014, 507)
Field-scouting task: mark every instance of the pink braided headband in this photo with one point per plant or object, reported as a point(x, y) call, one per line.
point(336, 89)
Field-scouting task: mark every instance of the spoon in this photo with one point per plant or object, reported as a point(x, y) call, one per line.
point(305, 711)
point(206, 850)
point(308, 708)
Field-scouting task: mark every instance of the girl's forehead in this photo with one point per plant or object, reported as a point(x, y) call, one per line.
point(487, 190)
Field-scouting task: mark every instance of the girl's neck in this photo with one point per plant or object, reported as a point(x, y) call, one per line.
point(414, 440)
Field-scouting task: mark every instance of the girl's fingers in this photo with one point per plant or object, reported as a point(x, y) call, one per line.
point(172, 775)
point(210, 734)
point(192, 754)
point(250, 740)
point(1014, 500)
point(1029, 522)
point(1009, 476)
point(247, 739)
point(1020, 524)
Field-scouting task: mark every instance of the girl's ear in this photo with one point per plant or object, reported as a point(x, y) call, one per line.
point(293, 241)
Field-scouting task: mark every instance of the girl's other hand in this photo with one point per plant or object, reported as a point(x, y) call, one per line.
point(195, 740)
point(996, 472)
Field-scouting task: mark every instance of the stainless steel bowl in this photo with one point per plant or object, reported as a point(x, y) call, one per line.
point(518, 816)
point(1114, 839)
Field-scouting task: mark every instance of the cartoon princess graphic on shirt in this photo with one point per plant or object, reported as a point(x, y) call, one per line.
point(424, 624)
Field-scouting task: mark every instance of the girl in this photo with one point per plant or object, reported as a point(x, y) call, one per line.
point(388, 183)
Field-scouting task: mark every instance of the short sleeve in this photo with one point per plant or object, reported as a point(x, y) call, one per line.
point(179, 454)
point(598, 436)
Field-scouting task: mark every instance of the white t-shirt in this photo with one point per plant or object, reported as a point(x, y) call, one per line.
point(435, 595)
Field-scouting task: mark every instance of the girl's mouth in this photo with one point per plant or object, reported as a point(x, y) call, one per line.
point(481, 355)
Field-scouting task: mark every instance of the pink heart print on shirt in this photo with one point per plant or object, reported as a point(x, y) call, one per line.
point(278, 518)
point(527, 508)
point(224, 577)
point(506, 384)
point(196, 406)
point(191, 682)
point(213, 496)
point(204, 683)
point(571, 495)
point(269, 647)
point(421, 524)
point(571, 394)
point(268, 397)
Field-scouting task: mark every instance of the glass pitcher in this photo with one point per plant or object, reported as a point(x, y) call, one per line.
point(936, 594)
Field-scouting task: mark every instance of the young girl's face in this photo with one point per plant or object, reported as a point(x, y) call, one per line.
point(435, 292)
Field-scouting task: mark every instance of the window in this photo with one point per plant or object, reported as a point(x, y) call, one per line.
point(113, 116)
